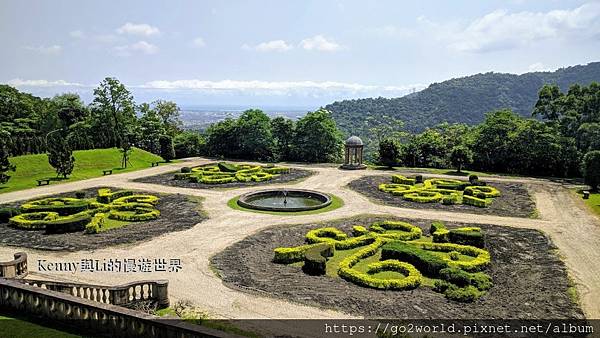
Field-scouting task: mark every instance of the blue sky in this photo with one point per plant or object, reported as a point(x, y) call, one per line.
point(290, 53)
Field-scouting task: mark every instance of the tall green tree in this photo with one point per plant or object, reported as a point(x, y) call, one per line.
point(113, 113)
point(317, 138)
point(60, 154)
point(389, 152)
point(167, 152)
point(170, 115)
point(255, 136)
point(283, 135)
point(5, 165)
point(461, 156)
point(591, 169)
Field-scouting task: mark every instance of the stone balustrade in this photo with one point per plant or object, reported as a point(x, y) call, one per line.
point(123, 295)
point(90, 316)
point(17, 268)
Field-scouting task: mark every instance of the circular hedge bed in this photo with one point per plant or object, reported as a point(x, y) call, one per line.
point(142, 216)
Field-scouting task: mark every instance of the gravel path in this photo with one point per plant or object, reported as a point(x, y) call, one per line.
point(563, 217)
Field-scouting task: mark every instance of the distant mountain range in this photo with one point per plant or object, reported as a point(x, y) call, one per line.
point(459, 100)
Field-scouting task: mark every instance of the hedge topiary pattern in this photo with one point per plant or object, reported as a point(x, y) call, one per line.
point(224, 172)
point(447, 191)
point(401, 251)
point(64, 214)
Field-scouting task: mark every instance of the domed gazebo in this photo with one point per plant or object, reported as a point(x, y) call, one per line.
point(354, 154)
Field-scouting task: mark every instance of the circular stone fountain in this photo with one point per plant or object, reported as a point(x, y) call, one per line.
point(284, 200)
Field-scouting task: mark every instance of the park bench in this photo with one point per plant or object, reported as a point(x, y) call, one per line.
point(586, 195)
point(155, 164)
point(43, 181)
point(107, 172)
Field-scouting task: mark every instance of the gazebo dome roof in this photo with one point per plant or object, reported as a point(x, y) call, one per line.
point(354, 141)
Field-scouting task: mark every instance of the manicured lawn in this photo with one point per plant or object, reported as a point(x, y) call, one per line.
point(336, 202)
point(88, 164)
point(17, 328)
point(593, 202)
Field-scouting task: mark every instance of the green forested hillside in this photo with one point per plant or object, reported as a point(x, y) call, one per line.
point(460, 100)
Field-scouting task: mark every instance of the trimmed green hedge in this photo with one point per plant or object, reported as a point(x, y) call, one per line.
point(410, 231)
point(64, 206)
point(428, 263)
point(476, 202)
point(97, 222)
point(315, 259)
point(467, 236)
point(403, 180)
point(133, 212)
point(7, 213)
point(423, 196)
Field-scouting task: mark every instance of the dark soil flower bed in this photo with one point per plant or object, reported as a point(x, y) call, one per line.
point(177, 213)
point(514, 200)
point(530, 281)
point(168, 179)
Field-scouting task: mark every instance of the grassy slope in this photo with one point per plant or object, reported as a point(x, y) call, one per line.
point(88, 164)
point(16, 328)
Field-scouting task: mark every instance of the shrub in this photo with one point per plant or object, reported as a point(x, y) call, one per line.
point(428, 263)
point(488, 192)
point(211, 180)
point(68, 224)
point(337, 238)
point(134, 212)
point(467, 294)
point(277, 170)
point(148, 199)
point(435, 226)
point(480, 261)
point(97, 222)
point(227, 167)
point(359, 230)
point(7, 213)
point(64, 206)
point(186, 170)
point(424, 196)
point(315, 258)
point(473, 178)
point(465, 236)
point(80, 194)
point(291, 255)
point(450, 199)
point(411, 281)
point(403, 180)
point(419, 179)
point(410, 231)
point(33, 220)
point(106, 196)
point(454, 255)
point(474, 201)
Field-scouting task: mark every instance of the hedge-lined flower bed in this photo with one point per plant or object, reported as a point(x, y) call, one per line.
point(224, 172)
point(66, 214)
point(447, 191)
point(404, 252)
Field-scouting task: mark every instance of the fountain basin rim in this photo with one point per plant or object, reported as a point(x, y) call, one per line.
point(245, 199)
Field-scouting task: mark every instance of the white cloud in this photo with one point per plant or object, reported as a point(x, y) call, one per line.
point(140, 46)
point(391, 31)
point(501, 30)
point(43, 83)
point(77, 34)
point(320, 43)
point(142, 29)
point(272, 86)
point(270, 46)
point(198, 42)
point(45, 50)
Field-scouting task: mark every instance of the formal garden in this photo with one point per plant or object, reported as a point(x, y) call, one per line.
point(472, 196)
point(228, 175)
point(96, 218)
point(367, 265)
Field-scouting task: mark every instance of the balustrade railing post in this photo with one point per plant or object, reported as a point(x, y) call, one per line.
point(161, 293)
